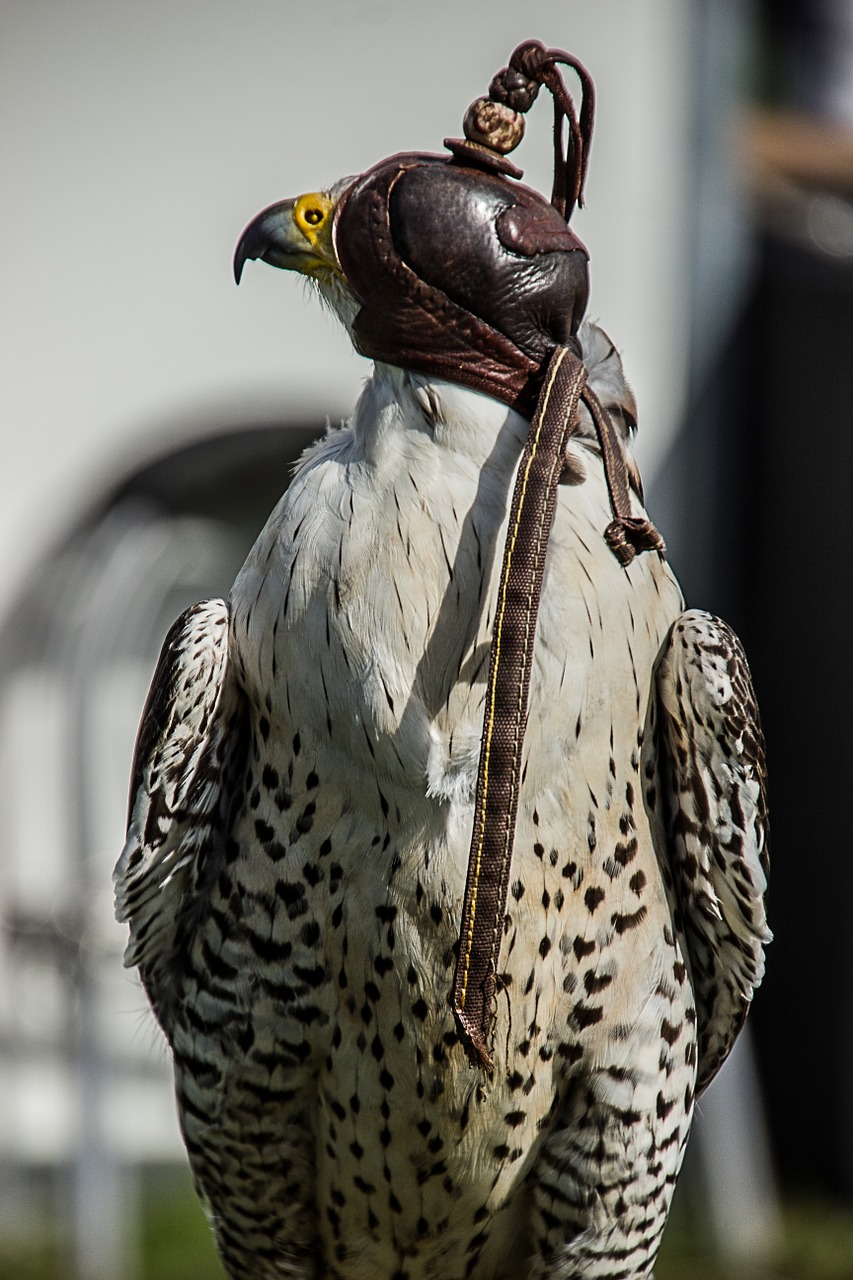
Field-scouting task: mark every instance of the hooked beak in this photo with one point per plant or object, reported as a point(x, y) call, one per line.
point(274, 237)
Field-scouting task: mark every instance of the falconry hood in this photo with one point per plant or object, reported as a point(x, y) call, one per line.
point(460, 270)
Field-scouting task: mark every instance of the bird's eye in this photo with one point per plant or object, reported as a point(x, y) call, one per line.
point(311, 213)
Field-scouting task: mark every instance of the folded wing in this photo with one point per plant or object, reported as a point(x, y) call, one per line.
point(188, 763)
point(714, 770)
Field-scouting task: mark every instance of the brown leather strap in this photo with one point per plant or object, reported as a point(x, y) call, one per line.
point(531, 515)
point(626, 534)
point(499, 778)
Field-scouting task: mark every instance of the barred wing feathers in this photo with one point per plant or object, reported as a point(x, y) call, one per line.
point(188, 761)
point(713, 751)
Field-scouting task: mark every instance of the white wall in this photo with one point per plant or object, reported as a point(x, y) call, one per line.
point(136, 140)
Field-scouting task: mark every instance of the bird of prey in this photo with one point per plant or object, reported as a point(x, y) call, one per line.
point(307, 771)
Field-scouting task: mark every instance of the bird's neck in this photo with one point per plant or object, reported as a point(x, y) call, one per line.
point(400, 410)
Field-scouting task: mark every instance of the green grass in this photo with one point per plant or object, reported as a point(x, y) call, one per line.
point(819, 1243)
point(816, 1244)
point(177, 1243)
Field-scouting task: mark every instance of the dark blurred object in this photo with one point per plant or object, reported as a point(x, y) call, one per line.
point(800, 602)
point(803, 607)
point(766, 458)
point(810, 46)
point(800, 607)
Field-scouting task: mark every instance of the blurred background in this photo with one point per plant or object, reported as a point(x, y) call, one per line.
point(151, 414)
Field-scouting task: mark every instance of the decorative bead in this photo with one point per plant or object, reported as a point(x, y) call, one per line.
point(494, 125)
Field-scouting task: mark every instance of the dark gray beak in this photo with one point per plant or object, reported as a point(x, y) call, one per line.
point(273, 237)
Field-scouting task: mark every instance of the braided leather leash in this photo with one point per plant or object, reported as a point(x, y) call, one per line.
point(499, 778)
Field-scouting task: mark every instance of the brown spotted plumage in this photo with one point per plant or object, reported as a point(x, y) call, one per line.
point(714, 754)
point(296, 860)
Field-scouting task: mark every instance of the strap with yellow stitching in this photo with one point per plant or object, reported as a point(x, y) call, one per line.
point(499, 778)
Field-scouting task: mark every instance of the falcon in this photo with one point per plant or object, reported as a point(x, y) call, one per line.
point(447, 842)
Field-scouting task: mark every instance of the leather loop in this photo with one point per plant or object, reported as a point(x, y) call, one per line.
point(540, 65)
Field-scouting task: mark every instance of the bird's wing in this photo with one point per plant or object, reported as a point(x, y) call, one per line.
point(189, 757)
point(713, 767)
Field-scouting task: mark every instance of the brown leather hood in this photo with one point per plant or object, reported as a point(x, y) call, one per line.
point(461, 273)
